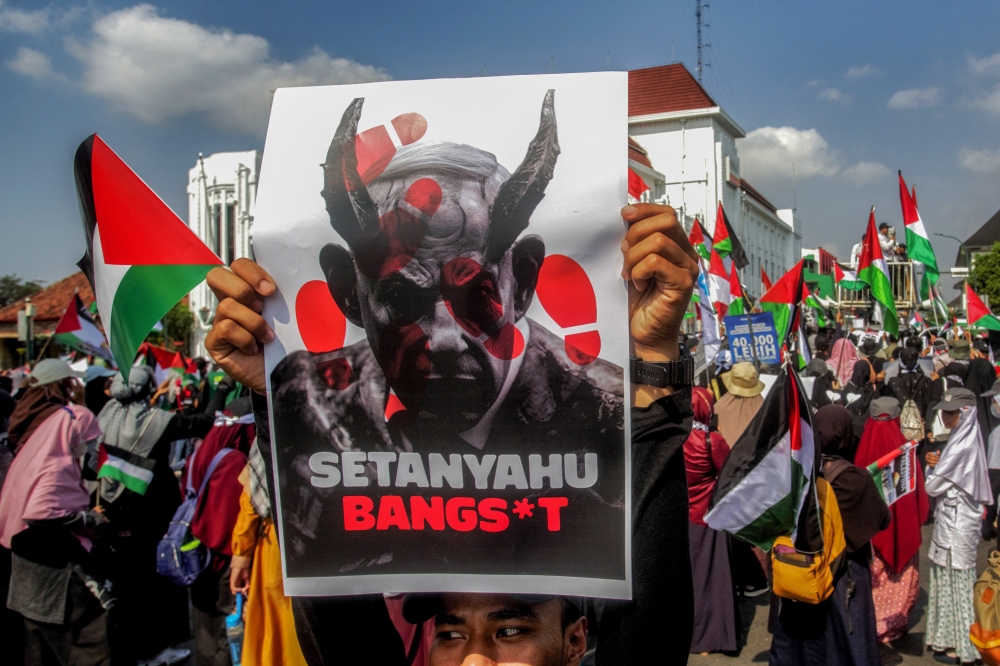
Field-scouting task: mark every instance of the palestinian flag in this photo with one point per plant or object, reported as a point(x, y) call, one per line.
point(847, 278)
point(161, 361)
point(918, 246)
point(636, 185)
point(78, 331)
point(873, 271)
point(812, 302)
point(141, 258)
point(930, 292)
point(782, 300)
point(132, 471)
point(698, 241)
point(917, 322)
point(725, 241)
point(710, 339)
point(765, 281)
point(718, 284)
point(767, 486)
point(739, 304)
point(977, 314)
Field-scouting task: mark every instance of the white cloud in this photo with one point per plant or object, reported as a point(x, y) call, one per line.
point(30, 62)
point(157, 68)
point(863, 173)
point(861, 71)
point(20, 20)
point(979, 161)
point(814, 83)
point(835, 95)
point(915, 98)
point(985, 65)
point(772, 151)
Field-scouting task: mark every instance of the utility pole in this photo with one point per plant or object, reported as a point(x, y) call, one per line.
point(697, 13)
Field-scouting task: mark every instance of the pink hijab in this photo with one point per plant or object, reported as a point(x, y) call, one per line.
point(45, 480)
point(842, 359)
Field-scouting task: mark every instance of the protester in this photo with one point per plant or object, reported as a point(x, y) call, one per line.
point(912, 388)
point(269, 634)
point(993, 464)
point(742, 400)
point(716, 624)
point(212, 524)
point(46, 520)
point(51, 385)
point(895, 567)
point(959, 477)
point(825, 391)
point(887, 242)
point(842, 359)
point(151, 613)
point(656, 625)
point(859, 393)
point(841, 629)
point(97, 387)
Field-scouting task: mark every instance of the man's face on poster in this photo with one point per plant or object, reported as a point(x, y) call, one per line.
point(438, 316)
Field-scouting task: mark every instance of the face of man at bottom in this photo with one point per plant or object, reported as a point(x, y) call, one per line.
point(500, 630)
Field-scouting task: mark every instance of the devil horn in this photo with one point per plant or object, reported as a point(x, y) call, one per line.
point(352, 213)
point(517, 198)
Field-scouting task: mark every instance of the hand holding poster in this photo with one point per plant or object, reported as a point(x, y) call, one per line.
point(446, 387)
point(765, 338)
point(894, 473)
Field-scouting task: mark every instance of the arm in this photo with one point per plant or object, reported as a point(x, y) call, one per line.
point(244, 542)
point(183, 426)
point(936, 485)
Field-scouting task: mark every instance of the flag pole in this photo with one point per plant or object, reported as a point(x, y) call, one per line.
point(44, 347)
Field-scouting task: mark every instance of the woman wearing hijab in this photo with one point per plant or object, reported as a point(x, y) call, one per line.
point(51, 385)
point(912, 384)
point(895, 568)
point(842, 359)
point(825, 387)
point(97, 387)
point(213, 522)
point(859, 393)
point(45, 519)
point(715, 615)
point(742, 400)
point(958, 476)
point(841, 630)
point(150, 614)
point(269, 635)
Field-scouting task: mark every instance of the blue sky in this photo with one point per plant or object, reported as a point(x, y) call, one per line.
point(848, 91)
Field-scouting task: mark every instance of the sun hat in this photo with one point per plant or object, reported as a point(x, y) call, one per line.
point(50, 370)
point(743, 380)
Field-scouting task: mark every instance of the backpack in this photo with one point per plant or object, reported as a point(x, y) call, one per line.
point(180, 557)
point(940, 432)
point(985, 632)
point(810, 577)
point(910, 422)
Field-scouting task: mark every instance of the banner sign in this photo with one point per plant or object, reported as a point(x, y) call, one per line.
point(446, 388)
point(738, 332)
point(895, 472)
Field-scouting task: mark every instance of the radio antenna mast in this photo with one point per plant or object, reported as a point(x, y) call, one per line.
point(697, 13)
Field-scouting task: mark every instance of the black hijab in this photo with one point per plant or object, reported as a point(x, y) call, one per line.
point(834, 431)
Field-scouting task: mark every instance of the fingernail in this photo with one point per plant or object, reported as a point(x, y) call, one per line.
point(265, 287)
point(254, 350)
point(625, 246)
point(269, 335)
point(624, 274)
point(258, 305)
point(628, 210)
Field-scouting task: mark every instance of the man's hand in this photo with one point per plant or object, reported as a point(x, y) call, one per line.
point(239, 580)
point(239, 331)
point(662, 268)
point(933, 458)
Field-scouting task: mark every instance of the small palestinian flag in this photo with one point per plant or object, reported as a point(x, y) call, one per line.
point(782, 300)
point(813, 302)
point(636, 185)
point(78, 331)
point(873, 271)
point(725, 241)
point(918, 245)
point(847, 278)
point(698, 241)
point(739, 303)
point(977, 314)
point(718, 284)
point(917, 322)
point(162, 360)
point(765, 281)
point(132, 471)
point(141, 258)
point(767, 486)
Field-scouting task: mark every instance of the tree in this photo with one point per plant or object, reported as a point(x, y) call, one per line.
point(985, 277)
point(179, 321)
point(13, 288)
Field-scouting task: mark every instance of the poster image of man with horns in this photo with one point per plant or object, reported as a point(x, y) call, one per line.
point(446, 385)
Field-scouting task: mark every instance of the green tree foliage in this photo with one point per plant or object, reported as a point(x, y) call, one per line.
point(179, 321)
point(13, 288)
point(985, 277)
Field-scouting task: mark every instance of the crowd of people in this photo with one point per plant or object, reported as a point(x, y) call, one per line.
point(79, 549)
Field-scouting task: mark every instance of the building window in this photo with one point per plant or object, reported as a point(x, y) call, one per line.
point(230, 233)
point(216, 230)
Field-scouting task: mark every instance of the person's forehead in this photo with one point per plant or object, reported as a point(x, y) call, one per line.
point(469, 605)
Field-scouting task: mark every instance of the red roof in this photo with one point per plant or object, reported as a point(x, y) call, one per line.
point(664, 89)
point(638, 153)
point(757, 196)
point(50, 303)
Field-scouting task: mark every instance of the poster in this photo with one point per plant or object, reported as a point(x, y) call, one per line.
point(446, 386)
point(738, 332)
point(895, 473)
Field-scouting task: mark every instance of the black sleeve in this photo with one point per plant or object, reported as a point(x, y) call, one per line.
point(989, 529)
point(862, 509)
point(937, 390)
point(656, 626)
point(184, 426)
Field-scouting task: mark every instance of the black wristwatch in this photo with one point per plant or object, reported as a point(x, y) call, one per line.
point(665, 373)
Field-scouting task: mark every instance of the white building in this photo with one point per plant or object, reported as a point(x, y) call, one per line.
point(222, 189)
point(691, 142)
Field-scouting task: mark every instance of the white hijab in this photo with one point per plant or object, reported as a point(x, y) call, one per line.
point(963, 461)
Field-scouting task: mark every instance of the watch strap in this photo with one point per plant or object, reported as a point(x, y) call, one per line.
point(663, 374)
